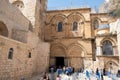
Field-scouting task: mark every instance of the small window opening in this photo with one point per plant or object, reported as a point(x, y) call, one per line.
point(29, 56)
point(60, 27)
point(10, 55)
point(75, 26)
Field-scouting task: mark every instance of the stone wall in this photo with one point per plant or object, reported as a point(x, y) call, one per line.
point(33, 55)
point(65, 43)
point(38, 47)
point(20, 65)
point(102, 18)
point(40, 51)
point(105, 61)
point(34, 11)
point(68, 17)
point(115, 29)
point(18, 28)
point(72, 50)
point(20, 35)
point(13, 19)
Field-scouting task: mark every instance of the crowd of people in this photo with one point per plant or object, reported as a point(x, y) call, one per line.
point(55, 73)
point(99, 73)
point(66, 73)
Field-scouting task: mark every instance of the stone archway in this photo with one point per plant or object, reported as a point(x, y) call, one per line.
point(3, 29)
point(76, 54)
point(58, 54)
point(58, 28)
point(111, 66)
point(79, 19)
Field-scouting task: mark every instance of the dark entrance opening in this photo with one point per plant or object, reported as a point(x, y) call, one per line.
point(59, 61)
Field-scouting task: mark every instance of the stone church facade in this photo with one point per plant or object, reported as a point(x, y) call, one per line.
point(80, 39)
point(32, 39)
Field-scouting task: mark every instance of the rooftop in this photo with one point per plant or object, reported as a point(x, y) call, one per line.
point(66, 8)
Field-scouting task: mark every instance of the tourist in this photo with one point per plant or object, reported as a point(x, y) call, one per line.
point(104, 72)
point(101, 71)
point(58, 77)
point(92, 71)
point(87, 74)
point(73, 69)
point(97, 74)
point(67, 77)
point(22, 78)
point(118, 73)
point(52, 75)
point(52, 69)
point(69, 70)
point(64, 69)
point(46, 77)
point(59, 71)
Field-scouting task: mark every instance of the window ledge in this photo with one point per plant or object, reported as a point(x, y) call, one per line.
point(107, 56)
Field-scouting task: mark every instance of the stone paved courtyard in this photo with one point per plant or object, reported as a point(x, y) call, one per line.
point(80, 77)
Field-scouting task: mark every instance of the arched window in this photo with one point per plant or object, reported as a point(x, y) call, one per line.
point(95, 24)
point(107, 48)
point(60, 27)
point(10, 55)
point(3, 29)
point(75, 26)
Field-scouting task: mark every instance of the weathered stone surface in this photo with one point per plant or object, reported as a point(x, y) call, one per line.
point(15, 24)
point(76, 47)
point(25, 24)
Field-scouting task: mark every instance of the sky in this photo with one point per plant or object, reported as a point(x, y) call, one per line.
point(56, 4)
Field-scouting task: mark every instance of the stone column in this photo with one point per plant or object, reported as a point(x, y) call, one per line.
point(66, 61)
point(118, 37)
point(52, 61)
point(98, 51)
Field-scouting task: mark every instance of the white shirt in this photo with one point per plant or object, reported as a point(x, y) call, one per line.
point(57, 78)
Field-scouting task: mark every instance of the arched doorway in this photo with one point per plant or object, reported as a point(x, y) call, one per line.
point(3, 29)
point(76, 55)
point(111, 67)
point(58, 55)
